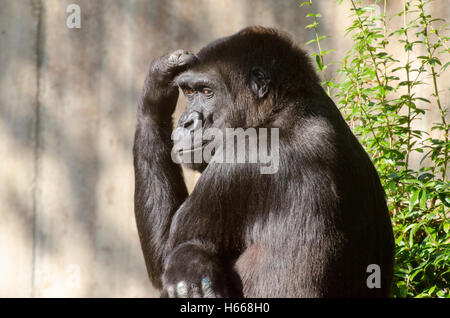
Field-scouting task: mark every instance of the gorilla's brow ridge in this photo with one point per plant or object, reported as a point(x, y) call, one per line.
point(194, 80)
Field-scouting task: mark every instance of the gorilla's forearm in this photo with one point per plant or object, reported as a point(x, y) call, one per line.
point(205, 245)
point(159, 190)
point(159, 184)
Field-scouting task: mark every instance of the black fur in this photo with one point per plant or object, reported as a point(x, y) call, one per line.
point(309, 230)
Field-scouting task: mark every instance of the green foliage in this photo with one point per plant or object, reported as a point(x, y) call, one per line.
point(320, 56)
point(381, 98)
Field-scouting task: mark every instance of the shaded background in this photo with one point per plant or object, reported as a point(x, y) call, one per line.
point(68, 100)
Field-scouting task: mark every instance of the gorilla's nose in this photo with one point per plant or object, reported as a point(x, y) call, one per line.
point(193, 121)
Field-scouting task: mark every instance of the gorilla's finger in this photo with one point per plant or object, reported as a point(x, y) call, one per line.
point(164, 294)
point(207, 288)
point(171, 291)
point(196, 291)
point(180, 60)
point(182, 290)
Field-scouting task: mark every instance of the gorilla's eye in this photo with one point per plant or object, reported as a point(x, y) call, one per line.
point(189, 91)
point(207, 91)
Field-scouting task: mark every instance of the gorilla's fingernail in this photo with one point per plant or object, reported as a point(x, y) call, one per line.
point(171, 292)
point(182, 290)
point(206, 281)
point(206, 288)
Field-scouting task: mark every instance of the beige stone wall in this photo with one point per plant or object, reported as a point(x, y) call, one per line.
point(68, 100)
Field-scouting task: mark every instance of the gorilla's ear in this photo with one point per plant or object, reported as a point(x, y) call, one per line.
point(259, 82)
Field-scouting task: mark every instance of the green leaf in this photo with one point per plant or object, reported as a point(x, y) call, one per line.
point(445, 198)
point(319, 62)
point(312, 25)
point(425, 177)
point(446, 227)
point(445, 66)
point(423, 199)
point(414, 199)
point(423, 99)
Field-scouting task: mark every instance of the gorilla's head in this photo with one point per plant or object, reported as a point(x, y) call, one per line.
point(241, 81)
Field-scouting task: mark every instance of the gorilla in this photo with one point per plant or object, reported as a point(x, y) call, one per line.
point(313, 228)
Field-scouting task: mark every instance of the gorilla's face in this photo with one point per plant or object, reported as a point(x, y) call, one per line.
point(210, 109)
point(207, 104)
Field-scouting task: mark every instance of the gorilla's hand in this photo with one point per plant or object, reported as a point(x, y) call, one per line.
point(191, 272)
point(160, 92)
point(165, 68)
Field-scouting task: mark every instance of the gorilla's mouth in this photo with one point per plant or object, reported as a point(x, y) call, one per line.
point(194, 147)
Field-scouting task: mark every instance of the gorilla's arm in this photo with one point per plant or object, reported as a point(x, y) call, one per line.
point(159, 185)
point(206, 235)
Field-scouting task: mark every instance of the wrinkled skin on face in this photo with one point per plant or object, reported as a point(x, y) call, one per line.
point(209, 109)
point(207, 102)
